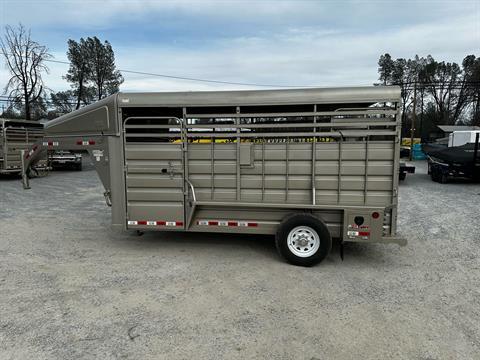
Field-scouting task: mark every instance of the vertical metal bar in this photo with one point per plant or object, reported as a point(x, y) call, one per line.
point(185, 190)
point(5, 148)
point(237, 122)
point(287, 155)
point(263, 169)
point(396, 166)
point(314, 156)
point(212, 167)
point(339, 190)
point(414, 116)
point(365, 190)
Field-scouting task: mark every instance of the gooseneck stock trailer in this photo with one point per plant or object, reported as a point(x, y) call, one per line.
point(306, 165)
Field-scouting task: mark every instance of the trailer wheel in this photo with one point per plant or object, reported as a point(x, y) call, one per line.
point(442, 178)
point(303, 240)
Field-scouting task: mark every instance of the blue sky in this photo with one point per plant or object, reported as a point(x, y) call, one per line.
point(325, 43)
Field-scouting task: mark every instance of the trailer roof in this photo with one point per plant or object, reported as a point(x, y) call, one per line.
point(352, 95)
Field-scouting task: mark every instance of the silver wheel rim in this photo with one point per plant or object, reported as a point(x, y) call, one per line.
point(303, 241)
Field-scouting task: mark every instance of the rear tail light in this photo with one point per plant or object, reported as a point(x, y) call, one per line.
point(375, 215)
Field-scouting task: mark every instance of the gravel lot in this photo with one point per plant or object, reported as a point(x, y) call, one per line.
point(72, 288)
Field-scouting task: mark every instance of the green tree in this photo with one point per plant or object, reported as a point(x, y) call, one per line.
point(385, 68)
point(92, 71)
point(103, 74)
point(80, 71)
point(63, 102)
point(471, 69)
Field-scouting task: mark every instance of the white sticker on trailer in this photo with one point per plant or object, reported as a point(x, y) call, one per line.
point(352, 233)
point(97, 154)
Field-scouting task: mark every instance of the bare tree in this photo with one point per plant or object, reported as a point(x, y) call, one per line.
point(25, 60)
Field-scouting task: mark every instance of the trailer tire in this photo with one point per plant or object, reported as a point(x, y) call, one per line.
point(312, 232)
point(442, 178)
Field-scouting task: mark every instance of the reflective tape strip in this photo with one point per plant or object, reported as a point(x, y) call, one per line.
point(50, 143)
point(85, 142)
point(229, 223)
point(155, 223)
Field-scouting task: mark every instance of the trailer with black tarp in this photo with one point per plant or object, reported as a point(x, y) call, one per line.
point(458, 162)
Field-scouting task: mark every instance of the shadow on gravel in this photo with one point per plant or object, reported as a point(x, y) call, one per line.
point(262, 244)
point(10, 177)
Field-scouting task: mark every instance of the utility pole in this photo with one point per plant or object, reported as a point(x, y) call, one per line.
point(412, 127)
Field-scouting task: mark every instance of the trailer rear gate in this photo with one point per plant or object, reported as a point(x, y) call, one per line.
point(243, 161)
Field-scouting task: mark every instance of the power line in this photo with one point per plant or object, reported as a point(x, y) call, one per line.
point(194, 79)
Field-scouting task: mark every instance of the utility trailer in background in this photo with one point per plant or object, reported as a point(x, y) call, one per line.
point(456, 162)
point(15, 136)
point(306, 165)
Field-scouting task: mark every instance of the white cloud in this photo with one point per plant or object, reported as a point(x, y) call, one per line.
point(305, 57)
point(297, 50)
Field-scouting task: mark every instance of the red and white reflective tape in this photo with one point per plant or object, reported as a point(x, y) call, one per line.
point(358, 233)
point(232, 223)
point(32, 150)
point(155, 223)
point(85, 142)
point(50, 143)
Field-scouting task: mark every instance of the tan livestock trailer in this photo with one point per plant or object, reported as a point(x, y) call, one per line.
point(15, 136)
point(306, 165)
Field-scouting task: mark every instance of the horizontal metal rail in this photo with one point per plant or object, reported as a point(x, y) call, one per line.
point(287, 114)
point(167, 126)
point(289, 125)
point(153, 135)
point(288, 206)
point(345, 133)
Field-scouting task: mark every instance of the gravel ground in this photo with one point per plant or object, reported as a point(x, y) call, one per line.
point(72, 288)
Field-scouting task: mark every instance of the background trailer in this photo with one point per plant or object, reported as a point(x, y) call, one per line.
point(15, 136)
point(306, 164)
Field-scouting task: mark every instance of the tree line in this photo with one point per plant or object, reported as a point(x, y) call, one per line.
point(92, 75)
point(445, 93)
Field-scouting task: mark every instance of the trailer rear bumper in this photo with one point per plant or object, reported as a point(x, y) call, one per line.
point(384, 240)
